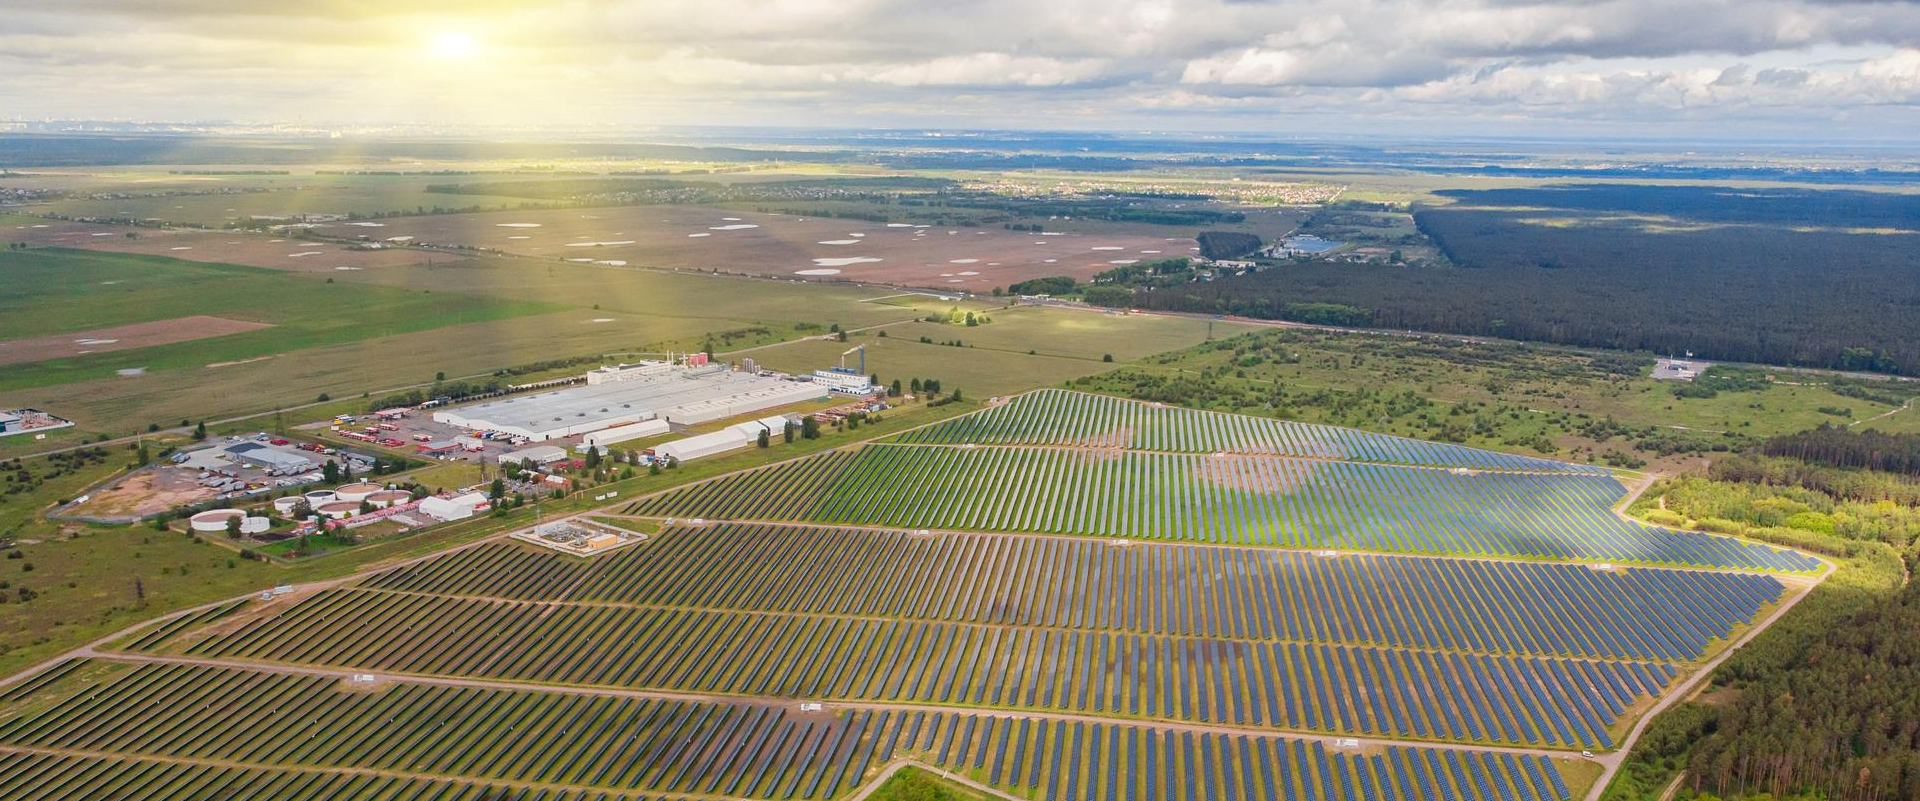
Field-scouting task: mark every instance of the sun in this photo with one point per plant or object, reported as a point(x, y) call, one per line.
point(453, 45)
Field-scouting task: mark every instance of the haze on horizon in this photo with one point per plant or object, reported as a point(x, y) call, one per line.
point(1709, 68)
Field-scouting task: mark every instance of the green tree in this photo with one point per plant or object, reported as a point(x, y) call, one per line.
point(233, 528)
point(200, 431)
point(764, 439)
point(809, 428)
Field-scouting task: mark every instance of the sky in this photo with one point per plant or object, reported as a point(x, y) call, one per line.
point(1809, 69)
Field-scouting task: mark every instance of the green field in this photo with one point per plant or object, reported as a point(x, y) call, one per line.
point(1022, 348)
point(60, 291)
point(347, 336)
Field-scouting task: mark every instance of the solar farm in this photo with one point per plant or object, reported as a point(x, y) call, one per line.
point(1062, 596)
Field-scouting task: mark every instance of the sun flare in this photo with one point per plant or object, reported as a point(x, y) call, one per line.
point(453, 45)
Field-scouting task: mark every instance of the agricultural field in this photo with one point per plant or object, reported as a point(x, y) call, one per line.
point(347, 336)
point(45, 287)
point(972, 259)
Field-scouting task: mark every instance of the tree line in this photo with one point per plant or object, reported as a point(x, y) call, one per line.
point(1779, 281)
point(1838, 446)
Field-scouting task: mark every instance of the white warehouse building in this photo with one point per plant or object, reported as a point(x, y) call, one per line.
point(694, 447)
point(641, 430)
point(682, 395)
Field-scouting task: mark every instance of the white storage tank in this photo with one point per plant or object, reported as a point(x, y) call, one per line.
point(284, 506)
point(356, 492)
point(338, 509)
point(386, 498)
point(214, 519)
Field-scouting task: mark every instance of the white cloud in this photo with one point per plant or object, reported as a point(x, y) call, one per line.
point(1586, 59)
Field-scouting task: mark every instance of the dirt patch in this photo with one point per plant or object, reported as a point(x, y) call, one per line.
point(144, 493)
point(122, 337)
point(1117, 437)
point(1256, 474)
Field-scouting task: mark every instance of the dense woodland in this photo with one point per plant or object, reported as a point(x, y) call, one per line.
point(1774, 276)
point(1824, 703)
point(1226, 244)
point(1837, 446)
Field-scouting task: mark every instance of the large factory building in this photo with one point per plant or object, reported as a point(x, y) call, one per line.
point(683, 395)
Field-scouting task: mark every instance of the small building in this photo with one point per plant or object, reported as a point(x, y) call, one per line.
point(11, 422)
point(1676, 370)
point(538, 454)
point(458, 507)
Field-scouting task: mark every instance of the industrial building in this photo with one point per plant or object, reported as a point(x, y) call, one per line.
point(609, 436)
point(579, 536)
point(459, 507)
point(627, 372)
point(272, 460)
point(538, 455)
point(844, 382)
point(695, 447)
point(683, 395)
point(21, 421)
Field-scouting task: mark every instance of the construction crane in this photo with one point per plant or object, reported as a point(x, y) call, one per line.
point(862, 350)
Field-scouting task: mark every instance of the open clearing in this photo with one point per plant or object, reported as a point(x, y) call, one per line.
point(136, 335)
point(144, 493)
point(785, 245)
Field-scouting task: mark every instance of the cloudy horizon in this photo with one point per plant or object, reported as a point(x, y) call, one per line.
point(1708, 68)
